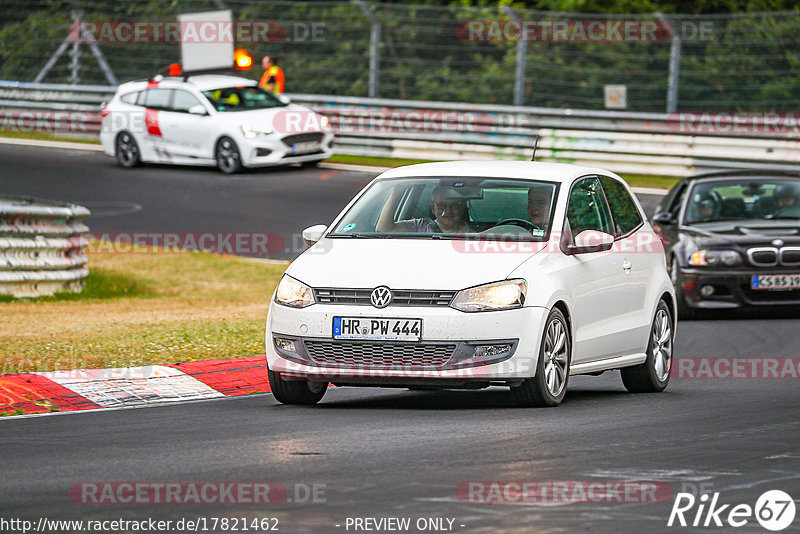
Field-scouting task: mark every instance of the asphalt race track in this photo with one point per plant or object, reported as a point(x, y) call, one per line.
point(162, 199)
point(396, 453)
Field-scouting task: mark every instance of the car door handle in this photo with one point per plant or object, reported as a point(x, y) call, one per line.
point(626, 266)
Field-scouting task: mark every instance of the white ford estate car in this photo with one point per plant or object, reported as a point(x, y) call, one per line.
point(476, 274)
point(225, 121)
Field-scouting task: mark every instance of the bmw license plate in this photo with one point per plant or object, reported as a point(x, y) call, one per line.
point(377, 328)
point(305, 148)
point(775, 281)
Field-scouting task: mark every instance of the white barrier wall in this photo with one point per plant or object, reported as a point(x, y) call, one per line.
point(677, 144)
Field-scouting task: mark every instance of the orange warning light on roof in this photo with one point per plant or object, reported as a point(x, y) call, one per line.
point(242, 59)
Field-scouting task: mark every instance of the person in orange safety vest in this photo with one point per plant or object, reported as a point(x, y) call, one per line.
point(272, 79)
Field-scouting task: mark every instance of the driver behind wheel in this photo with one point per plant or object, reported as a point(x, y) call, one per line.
point(539, 199)
point(448, 208)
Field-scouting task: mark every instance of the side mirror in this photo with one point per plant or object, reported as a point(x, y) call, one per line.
point(283, 98)
point(591, 241)
point(198, 110)
point(664, 218)
point(312, 234)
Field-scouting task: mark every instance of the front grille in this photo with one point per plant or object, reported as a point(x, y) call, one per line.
point(790, 256)
point(290, 140)
point(400, 297)
point(383, 355)
point(763, 257)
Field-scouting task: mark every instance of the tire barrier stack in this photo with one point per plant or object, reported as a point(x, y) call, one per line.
point(41, 247)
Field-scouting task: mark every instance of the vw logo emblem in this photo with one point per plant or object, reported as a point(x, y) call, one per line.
point(777, 242)
point(381, 297)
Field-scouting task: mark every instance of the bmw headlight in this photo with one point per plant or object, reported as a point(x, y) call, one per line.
point(251, 132)
point(294, 293)
point(503, 295)
point(715, 258)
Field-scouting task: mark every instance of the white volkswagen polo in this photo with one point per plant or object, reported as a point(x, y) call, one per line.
point(476, 274)
point(225, 121)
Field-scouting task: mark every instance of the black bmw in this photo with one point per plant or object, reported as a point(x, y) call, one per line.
point(732, 239)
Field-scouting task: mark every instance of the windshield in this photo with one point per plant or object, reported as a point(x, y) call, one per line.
point(451, 207)
point(242, 98)
point(744, 198)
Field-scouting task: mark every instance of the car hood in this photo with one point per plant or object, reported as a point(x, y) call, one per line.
point(745, 233)
point(274, 117)
point(409, 263)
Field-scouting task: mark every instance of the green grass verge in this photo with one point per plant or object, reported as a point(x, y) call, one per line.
point(16, 134)
point(146, 308)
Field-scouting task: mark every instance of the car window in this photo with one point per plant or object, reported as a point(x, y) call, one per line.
point(424, 206)
point(742, 199)
point(183, 101)
point(241, 98)
point(623, 208)
point(587, 209)
point(155, 98)
point(130, 98)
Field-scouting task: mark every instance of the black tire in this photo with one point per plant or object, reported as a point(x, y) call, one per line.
point(684, 310)
point(652, 376)
point(296, 391)
point(555, 356)
point(310, 164)
point(126, 150)
point(229, 159)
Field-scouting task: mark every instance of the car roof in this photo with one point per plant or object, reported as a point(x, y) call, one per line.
point(202, 82)
point(527, 170)
point(751, 174)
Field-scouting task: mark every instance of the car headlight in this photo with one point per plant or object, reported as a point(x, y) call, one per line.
point(251, 132)
point(714, 258)
point(291, 292)
point(503, 295)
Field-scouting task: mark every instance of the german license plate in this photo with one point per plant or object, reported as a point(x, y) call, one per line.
point(305, 148)
point(377, 328)
point(775, 281)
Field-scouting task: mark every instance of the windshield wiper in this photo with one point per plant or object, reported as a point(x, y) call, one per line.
point(362, 236)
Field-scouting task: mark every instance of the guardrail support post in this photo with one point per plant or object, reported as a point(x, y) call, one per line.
point(522, 50)
point(674, 64)
point(374, 47)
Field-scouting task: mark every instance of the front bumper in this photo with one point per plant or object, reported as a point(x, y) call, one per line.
point(732, 289)
point(264, 151)
point(445, 354)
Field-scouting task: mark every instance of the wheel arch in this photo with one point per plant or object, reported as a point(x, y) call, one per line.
point(562, 306)
point(667, 297)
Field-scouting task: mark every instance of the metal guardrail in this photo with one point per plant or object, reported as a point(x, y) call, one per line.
point(41, 246)
point(625, 142)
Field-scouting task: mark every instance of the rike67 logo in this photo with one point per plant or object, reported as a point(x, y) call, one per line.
point(774, 510)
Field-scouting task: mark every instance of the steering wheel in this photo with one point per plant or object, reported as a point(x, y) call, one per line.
point(519, 222)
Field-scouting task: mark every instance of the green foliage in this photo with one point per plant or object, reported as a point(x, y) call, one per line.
point(746, 63)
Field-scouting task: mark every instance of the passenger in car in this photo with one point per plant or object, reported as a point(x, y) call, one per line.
point(539, 200)
point(449, 212)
